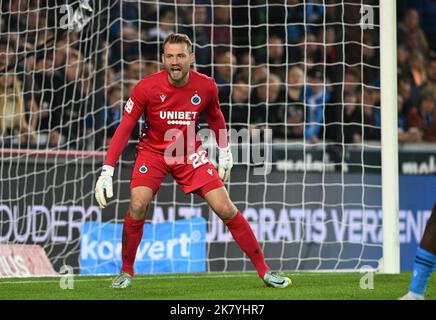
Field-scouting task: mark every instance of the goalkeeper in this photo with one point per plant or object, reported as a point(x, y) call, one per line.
point(171, 101)
point(425, 260)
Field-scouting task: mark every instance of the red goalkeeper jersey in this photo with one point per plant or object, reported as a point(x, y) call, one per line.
point(171, 113)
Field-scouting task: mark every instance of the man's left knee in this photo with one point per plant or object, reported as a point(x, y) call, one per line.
point(226, 210)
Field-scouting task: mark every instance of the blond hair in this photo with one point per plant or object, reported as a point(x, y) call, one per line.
point(179, 38)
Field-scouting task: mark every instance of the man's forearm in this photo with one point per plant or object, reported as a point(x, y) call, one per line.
point(119, 142)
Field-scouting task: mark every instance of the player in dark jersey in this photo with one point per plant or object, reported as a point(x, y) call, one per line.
point(425, 261)
point(171, 101)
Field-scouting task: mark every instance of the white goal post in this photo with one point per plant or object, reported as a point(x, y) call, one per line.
point(389, 143)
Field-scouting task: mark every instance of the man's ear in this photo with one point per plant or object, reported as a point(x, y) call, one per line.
point(192, 58)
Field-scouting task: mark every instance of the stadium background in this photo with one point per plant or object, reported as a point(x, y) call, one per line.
point(75, 84)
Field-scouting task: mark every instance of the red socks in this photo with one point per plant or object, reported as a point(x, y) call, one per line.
point(238, 226)
point(132, 235)
point(245, 238)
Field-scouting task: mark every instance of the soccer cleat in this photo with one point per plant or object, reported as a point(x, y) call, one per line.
point(273, 279)
point(409, 296)
point(123, 280)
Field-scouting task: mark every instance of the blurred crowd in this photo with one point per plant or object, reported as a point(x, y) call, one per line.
point(306, 70)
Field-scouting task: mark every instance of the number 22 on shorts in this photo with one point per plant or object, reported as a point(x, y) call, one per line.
point(198, 158)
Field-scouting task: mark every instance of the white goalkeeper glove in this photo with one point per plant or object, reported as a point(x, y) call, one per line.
point(104, 183)
point(225, 162)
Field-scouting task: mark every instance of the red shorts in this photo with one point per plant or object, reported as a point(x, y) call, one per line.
point(195, 175)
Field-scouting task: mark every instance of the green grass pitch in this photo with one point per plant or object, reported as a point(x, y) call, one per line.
point(214, 286)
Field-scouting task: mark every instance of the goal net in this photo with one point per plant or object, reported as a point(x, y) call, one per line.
point(299, 86)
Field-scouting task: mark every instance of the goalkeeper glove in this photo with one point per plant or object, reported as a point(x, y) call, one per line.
point(225, 162)
point(104, 182)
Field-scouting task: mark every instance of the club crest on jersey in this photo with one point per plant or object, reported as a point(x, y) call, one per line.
point(196, 99)
point(143, 169)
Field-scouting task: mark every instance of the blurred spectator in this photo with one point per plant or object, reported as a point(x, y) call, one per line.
point(157, 34)
point(371, 115)
point(195, 28)
point(165, 26)
point(308, 51)
point(276, 56)
point(250, 47)
point(332, 13)
point(151, 66)
point(122, 12)
point(110, 115)
point(351, 37)
point(246, 61)
point(427, 76)
point(405, 93)
point(45, 86)
point(352, 80)
point(268, 105)
point(110, 77)
point(63, 45)
point(402, 61)
point(248, 27)
point(430, 82)
point(60, 52)
point(317, 97)
point(410, 32)
point(412, 40)
point(421, 119)
point(236, 113)
point(72, 99)
point(25, 71)
point(220, 32)
point(371, 60)
point(287, 18)
point(224, 64)
point(295, 109)
point(333, 53)
point(126, 47)
point(134, 71)
point(352, 119)
point(84, 82)
point(147, 12)
point(13, 123)
point(417, 68)
point(281, 16)
point(258, 73)
point(12, 98)
point(36, 23)
point(12, 13)
point(427, 13)
point(404, 133)
point(113, 110)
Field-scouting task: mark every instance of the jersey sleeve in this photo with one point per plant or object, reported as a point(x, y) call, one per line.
point(215, 118)
point(132, 111)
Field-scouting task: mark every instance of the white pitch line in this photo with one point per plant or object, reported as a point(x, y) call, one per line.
point(139, 278)
point(148, 278)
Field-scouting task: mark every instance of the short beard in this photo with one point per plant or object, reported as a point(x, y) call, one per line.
point(183, 78)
